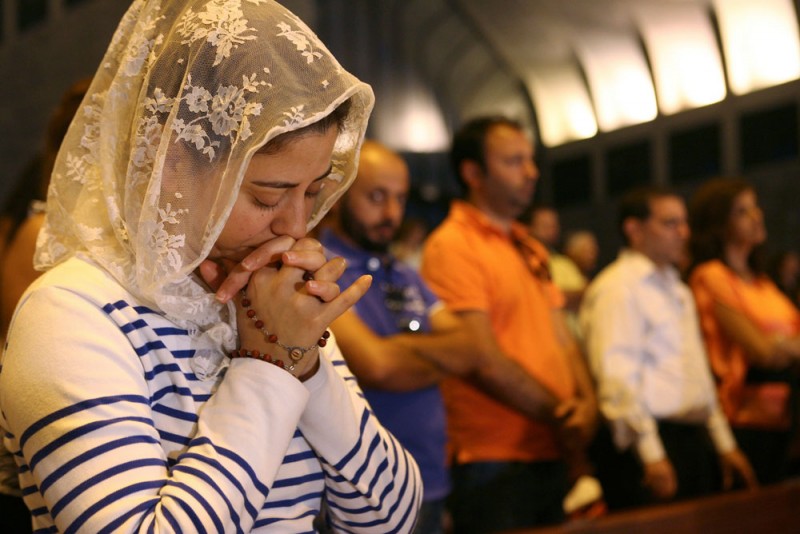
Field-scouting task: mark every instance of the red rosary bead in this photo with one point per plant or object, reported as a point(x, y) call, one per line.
point(295, 353)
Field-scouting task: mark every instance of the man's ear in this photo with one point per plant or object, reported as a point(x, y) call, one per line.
point(632, 228)
point(472, 173)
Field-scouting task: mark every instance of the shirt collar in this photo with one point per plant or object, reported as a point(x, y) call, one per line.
point(467, 213)
point(532, 251)
point(643, 268)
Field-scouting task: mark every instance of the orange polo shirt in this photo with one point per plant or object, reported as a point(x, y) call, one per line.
point(473, 265)
point(760, 301)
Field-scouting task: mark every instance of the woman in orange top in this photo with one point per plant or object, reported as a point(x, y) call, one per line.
point(751, 329)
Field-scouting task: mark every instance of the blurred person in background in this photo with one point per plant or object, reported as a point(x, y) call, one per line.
point(581, 247)
point(545, 226)
point(668, 437)
point(399, 339)
point(511, 463)
point(751, 329)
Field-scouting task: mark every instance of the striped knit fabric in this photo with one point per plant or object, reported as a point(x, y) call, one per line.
point(112, 430)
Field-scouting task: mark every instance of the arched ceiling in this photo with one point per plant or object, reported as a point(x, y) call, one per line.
point(477, 53)
point(482, 55)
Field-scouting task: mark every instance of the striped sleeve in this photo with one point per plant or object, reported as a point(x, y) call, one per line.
point(372, 482)
point(79, 409)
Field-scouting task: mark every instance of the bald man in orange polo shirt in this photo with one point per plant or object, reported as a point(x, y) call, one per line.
point(508, 443)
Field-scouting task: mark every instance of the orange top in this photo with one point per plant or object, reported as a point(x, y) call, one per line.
point(760, 301)
point(473, 265)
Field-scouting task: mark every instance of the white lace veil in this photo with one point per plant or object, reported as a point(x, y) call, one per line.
point(151, 166)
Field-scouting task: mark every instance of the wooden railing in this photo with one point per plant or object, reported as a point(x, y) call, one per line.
point(769, 510)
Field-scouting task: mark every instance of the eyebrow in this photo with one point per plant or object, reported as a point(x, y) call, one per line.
point(289, 185)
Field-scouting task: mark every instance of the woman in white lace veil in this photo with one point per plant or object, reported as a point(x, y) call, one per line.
point(195, 81)
point(214, 134)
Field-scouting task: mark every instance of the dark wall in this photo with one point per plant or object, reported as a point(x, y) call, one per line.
point(45, 47)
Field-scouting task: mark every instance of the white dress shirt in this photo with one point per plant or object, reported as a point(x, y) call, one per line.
point(644, 345)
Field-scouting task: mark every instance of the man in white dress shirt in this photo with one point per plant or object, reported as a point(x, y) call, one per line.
point(654, 385)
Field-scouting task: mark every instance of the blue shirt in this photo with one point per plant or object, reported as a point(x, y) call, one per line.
point(399, 301)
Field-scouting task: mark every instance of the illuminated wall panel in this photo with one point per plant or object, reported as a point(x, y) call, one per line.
point(760, 42)
point(563, 108)
point(619, 80)
point(684, 56)
point(411, 121)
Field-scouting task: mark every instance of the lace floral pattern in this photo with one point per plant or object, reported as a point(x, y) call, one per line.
point(227, 111)
point(301, 41)
point(151, 166)
point(221, 23)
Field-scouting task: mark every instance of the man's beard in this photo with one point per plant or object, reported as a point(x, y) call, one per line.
point(358, 232)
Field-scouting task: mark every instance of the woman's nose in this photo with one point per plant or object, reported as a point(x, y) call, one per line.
point(291, 220)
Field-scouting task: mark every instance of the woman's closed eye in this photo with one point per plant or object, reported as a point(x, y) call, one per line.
point(265, 204)
point(272, 203)
point(315, 189)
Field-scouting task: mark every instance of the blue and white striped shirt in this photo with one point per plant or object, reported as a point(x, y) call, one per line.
point(112, 430)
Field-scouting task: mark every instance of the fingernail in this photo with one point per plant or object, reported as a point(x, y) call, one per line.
point(222, 297)
point(312, 284)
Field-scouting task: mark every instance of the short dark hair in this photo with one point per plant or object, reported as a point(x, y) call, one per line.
point(469, 143)
point(636, 203)
point(335, 118)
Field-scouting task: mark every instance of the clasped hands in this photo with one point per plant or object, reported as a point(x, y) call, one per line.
point(296, 309)
point(576, 421)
